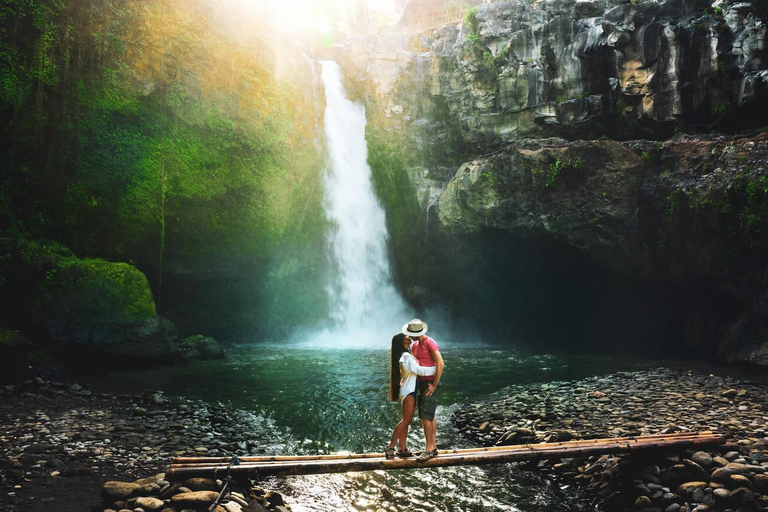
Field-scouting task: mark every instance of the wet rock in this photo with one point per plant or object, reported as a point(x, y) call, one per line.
point(194, 499)
point(115, 491)
point(274, 499)
point(232, 506)
point(703, 459)
point(148, 489)
point(739, 481)
point(150, 503)
point(643, 502)
point(743, 496)
point(202, 484)
point(39, 448)
point(688, 488)
point(760, 483)
point(76, 470)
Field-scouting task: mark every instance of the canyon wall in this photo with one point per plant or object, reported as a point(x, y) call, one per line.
point(618, 139)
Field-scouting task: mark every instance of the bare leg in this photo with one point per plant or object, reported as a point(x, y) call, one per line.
point(430, 432)
point(401, 429)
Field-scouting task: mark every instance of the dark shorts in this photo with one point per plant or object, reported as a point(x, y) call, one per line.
point(427, 404)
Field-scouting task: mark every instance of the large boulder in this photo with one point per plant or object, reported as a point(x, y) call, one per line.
point(13, 342)
point(200, 347)
point(103, 306)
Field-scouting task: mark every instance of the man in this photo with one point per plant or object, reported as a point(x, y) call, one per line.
point(428, 354)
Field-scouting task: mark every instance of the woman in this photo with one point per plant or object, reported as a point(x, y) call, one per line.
point(404, 368)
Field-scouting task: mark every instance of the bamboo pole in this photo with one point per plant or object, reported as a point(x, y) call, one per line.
point(452, 458)
point(344, 456)
point(542, 448)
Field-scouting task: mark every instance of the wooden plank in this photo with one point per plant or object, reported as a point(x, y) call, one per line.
point(343, 456)
point(213, 461)
point(370, 462)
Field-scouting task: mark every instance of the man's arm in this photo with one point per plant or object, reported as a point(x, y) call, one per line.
point(438, 373)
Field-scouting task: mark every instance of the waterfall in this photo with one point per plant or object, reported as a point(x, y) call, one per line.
point(364, 302)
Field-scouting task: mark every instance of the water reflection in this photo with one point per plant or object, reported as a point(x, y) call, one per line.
point(310, 400)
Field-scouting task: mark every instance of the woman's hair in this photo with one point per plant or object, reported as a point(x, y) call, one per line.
point(394, 366)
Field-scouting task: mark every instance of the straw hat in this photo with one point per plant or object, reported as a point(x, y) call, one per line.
point(415, 328)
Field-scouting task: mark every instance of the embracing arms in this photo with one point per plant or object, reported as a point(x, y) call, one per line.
point(438, 373)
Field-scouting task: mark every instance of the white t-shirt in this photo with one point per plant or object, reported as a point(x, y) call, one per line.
point(409, 370)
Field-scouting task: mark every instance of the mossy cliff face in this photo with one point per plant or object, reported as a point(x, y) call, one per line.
point(167, 135)
point(512, 125)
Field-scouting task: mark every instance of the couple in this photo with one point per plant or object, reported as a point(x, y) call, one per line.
point(416, 368)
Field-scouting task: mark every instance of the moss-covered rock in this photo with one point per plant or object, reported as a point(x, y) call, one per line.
point(12, 340)
point(103, 305)
point(200, 347)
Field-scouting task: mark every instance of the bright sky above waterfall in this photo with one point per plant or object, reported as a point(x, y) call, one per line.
point(324, 16)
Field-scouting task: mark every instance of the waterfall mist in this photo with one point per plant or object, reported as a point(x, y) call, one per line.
point(365, 306)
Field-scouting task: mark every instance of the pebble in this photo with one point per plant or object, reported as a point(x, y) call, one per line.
point(722, 478)
point(49, 436)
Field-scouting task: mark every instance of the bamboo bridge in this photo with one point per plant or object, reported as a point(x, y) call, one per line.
point(256, 467)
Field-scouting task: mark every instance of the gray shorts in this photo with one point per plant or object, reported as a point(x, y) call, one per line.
point(427, 404)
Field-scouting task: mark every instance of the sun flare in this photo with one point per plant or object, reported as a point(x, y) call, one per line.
point(305, 17)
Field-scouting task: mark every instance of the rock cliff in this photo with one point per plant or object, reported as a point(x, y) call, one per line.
point(566, 120)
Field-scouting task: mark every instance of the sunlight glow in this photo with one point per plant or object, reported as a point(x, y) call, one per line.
point(323, 17)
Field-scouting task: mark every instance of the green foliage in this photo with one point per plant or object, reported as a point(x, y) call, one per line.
point(725, 229)
point(549, 177)
point(715, 12)
point(719, 114)
point(28, 44)
point(6, 337)
point(389, 160)
point(471, 21)
point(141, 132)
point(673, 204)
point(753, 216)
point(626, 123)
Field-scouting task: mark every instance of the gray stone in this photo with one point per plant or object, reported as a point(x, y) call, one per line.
point(703, 459)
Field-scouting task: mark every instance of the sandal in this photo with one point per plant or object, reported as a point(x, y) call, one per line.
point(426, 455)
point(389, 452)
point(404, 453)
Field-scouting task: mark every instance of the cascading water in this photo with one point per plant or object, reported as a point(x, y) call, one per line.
point(364, 302)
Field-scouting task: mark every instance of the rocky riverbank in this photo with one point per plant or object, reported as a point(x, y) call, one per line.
point(61, 444)
point(733, 476)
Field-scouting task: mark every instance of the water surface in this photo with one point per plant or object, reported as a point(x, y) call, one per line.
point(325, 400)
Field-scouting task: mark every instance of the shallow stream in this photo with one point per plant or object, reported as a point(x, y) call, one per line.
point(324, 400)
